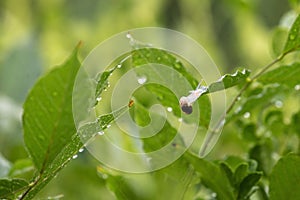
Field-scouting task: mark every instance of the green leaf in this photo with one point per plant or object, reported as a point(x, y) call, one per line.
point(288, 75)
point(10, 188)
point(279, 40)
point(247, 184)
point(212, 176)
point(164, 95)
point(229, 80)
point(284, 179)
point(293, 40)
point(240, 173)
point(228, 172)
point(47, 119)
point(21, 167)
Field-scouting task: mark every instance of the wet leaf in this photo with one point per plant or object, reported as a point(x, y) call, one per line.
point(11, 188)
point(293, 40)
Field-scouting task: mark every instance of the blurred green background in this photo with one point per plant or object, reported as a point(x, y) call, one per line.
point(36, 35)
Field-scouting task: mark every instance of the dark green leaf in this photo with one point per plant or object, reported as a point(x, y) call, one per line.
point(10, 188)
point(228, 172)
point(240, 173)
point(246, 186)
point(293, 40)
point(229, 80)
point(262, 153)
point(288, 75)
point(249, 132)
point(212, 176)
point(285, 177)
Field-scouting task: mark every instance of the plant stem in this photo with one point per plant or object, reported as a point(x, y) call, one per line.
point(231, 106)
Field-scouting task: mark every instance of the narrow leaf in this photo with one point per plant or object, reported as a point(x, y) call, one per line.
point(229, 80)
point(287, 75)
point(247, 185)
point(285, 177)
point(293, 40)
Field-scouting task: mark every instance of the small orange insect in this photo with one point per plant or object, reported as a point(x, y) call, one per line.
point(131, 102)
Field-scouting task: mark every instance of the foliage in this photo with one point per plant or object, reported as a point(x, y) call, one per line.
point(258, 113)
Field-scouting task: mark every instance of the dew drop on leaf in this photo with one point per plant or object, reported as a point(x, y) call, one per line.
point(297, 87)
point(100, 133)
point(99, 98)
point(75, 156)
point(142, 80)
point(119, 66)
point(108, 126)
point(180, 119)
point(81, 150)
point(278, 104)
point(169, 109)
point(246, 115)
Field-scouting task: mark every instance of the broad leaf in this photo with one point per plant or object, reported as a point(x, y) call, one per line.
point(10, 188)
point(288, 75)
point(284, 179)
point(212, 176)
point(47, 119)
point(246, 186)
point(293, 40)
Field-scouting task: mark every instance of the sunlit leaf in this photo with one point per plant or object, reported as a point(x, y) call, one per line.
point(293, 40)
point(284, 179)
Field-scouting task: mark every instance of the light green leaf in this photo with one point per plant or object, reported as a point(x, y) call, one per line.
point(229, 80)
point(284, 179)
point(288, 75)
point(279, 40)
point(293, 40)
point(21, 167)
point(212, 176)
point(10, 188)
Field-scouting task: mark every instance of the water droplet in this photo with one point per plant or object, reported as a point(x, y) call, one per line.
point(297, 87)
point(292, 37)
point(110, 74)
point(177, 65)
point(119, 66)
point(278, 104)
point(180, 119)
point(108, 85)
point(104, 176)
point(75, 156)
point(100, 133)
point(213, 195)
point(108, 126)
point(238, 99)
point(169, 109)
point(128, 35)
point(142, 80)
point(81, 150)
point(247, 115)
point(99, 98)
point(105, 89)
